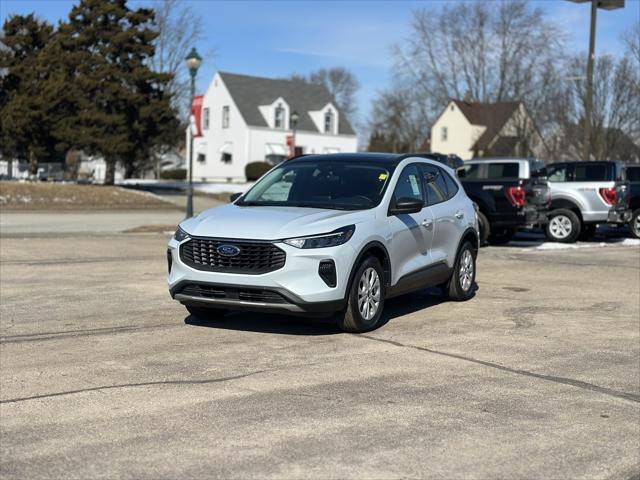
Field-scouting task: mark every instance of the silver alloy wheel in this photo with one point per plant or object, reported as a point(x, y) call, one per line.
point(560, 226)
point(465, 270)
point(636, 226)
point(369, 293)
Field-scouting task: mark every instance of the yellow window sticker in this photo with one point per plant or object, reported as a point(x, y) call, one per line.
point(383, 176)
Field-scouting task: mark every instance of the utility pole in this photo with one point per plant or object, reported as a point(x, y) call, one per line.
point(588, 101)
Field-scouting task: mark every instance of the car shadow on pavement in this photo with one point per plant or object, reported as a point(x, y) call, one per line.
point(313, 326)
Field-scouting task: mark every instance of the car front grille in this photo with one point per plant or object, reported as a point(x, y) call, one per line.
point(253, 257)
point(252, 295)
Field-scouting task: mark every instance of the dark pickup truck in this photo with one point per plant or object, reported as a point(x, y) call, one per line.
point(511, 193)
point(631, 176)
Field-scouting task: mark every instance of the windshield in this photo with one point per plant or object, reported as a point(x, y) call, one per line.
point(321, 184)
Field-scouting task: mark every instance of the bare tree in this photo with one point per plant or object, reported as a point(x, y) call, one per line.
point(398, 121)
point(179, 30)
point(482, 51)
point(340, 82)
point(631, 39)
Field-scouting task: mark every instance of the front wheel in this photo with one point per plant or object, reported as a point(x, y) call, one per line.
point(564, 226)
point(502, 237)
point(461, 285)
point(366, 298)
point(634, 224)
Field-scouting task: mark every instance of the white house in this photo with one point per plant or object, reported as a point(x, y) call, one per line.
point(475, 129)
point(246, 119)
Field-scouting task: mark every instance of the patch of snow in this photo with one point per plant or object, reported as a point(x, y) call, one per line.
point(628, 242)
point(223, 187)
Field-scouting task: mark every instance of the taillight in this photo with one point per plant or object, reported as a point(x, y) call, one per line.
point(608, 195)
point(516, 196)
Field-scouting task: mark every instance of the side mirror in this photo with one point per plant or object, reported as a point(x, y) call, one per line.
point(235, 196)
point(461, 172)
point(406, 205)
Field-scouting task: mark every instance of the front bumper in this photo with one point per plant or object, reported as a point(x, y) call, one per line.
point(296, 288)
point(619, 216)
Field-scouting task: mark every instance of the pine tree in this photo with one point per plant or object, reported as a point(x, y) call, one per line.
point(27, 114)
point(125, 111)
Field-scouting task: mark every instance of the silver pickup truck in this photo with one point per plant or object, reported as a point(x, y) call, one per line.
point(582, 196)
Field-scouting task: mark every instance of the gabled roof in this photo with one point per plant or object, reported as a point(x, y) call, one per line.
point(251, 92)
point(493, 116)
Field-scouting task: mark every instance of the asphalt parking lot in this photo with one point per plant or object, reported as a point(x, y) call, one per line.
point(103, 376)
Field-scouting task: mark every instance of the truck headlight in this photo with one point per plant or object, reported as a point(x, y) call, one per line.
point(180, 235)
point(331, 239)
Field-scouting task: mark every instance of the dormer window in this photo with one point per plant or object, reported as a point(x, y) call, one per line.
point(278, 120)
point(328, 121)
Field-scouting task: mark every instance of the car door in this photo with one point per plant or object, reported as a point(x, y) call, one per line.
point(411, 234)
point(447, 216)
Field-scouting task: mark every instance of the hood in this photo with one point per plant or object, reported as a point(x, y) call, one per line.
point(270, 223)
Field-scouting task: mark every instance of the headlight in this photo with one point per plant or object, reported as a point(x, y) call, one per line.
point(180, 235)
point(332, 239)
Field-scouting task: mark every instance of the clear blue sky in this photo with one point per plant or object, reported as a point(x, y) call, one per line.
point(276, 38)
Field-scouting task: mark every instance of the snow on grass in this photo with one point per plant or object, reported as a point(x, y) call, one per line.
point(222, 187)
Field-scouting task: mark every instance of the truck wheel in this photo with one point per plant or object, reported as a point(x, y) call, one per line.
point(461, 285)
point(564, 226)
point(205, 313)
point(366, 298)
point(502, 237)
point(634, 224)
point(484, 227)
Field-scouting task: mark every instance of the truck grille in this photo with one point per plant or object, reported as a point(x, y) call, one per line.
point(253, 257)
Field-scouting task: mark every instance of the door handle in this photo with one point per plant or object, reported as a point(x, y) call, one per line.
point(427, 223)
point(459, 214)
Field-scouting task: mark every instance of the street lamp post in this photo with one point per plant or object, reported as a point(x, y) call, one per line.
point(588, 104)
point(193, 63)
point(294, 124)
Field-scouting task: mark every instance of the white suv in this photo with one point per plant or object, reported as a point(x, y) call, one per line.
point(327, 234)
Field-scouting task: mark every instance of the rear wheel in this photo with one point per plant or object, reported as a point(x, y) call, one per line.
point(634, 224)
point(564, 226)
point(461, 285)
point(366, 298)
point(484, 227)
point(202, 313)
point(502, 237)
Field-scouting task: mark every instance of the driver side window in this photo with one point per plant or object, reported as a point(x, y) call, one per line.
point(409, 185)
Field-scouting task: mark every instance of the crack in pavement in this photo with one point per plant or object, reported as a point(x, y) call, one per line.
point(551, 378)
point(132, 385)
point(36, 337)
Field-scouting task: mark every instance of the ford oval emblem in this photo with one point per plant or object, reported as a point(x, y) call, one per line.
point(228, 250)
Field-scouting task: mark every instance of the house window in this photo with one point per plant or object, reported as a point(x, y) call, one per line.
point(225, 116)
point(278, 121)
point(202, 158)
point(328, 122)
point(226, 157)
point(444, 134)
point(205, 119)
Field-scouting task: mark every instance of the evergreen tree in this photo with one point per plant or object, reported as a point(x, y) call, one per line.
point(28, 110)
point(124, 109)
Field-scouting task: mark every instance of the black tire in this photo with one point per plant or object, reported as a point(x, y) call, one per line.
point(634, 224)
point(502, 237)
point(455, 290)
point(564, 226)
point(352, 319)
point(587, 232)
point(484, 227)
point(203, 313)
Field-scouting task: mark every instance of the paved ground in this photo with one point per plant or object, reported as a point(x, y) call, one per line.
point(102, 375)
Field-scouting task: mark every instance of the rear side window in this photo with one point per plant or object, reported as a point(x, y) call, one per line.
point(503, 170)
point(590, 173)
point(452, 186)
point(471, 171)
point(557, 173)
point(633, 174)
point(435, 184)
